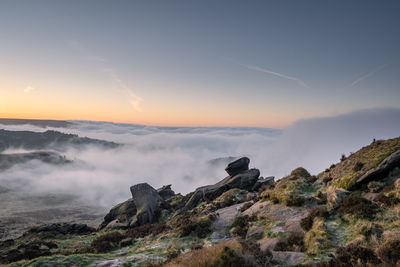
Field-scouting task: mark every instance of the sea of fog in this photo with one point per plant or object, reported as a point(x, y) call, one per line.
point(182, 156)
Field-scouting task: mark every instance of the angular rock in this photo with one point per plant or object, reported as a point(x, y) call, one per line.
point(120, 215)
point(381, 171)
point(166, 192)
point(238, 166)
point(145, 198)
point(244, 180)
point(255, 232)
point(335, 196)
point(263, 181)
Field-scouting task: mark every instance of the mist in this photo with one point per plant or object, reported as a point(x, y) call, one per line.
point(181, 155)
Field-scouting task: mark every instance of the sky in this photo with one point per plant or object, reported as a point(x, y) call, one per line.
point(197, 63)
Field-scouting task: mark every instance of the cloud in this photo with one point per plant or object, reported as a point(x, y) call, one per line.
point(180, 155)
point(372, 72)
point(287, 77)
point(29, 89)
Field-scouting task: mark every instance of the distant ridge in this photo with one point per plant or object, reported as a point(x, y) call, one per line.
point(40, 123)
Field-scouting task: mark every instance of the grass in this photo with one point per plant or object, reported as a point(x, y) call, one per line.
point(346, 173)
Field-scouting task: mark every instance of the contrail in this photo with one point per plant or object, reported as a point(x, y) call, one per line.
point(252, 67)
point(372, 72)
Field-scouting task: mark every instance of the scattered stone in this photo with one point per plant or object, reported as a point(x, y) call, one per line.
point(268, 243)
point(238, 166)
point(263, 182)
point(244, 180)
point(166, 192)
point(255, 232)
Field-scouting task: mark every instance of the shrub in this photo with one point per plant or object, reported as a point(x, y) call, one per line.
point(294, 200)
point(389, 252)
point(354, 255)
point(326, 179)
point(147, 229)
point(343, 157)
point(294, 242)
point(358, 207)
point(261, 258)
point(358, 166)
point(199, 227)
point(240, 225)
point(227, 258)
point(300, 172)
point(307, 222)
point(107, 242)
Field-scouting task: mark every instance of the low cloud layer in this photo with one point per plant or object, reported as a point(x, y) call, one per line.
point(180, 156)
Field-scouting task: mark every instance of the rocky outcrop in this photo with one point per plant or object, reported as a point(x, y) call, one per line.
point(146, 199)
point(263, 182)
point(238, 166)
point(244, 180)
point(381, 171)
point(120, 215)
point(166, 192)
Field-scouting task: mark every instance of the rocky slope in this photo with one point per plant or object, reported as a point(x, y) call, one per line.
point(346, 216)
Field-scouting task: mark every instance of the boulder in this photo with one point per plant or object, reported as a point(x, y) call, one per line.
point(166, 192)
point(335, 196)
point(255, 232)
point(244, 180)
point(238, 166)
point(120, 215)
point(379, 172)
point(146, 199)
point(263, 181)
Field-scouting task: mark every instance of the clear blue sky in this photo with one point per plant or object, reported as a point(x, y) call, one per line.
point(251, 63)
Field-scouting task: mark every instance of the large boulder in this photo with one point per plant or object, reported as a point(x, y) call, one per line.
point(238, 166)
point(120, 215)
point(379, 172)
point(146, 199)
point(244, 180)
point(166, 192)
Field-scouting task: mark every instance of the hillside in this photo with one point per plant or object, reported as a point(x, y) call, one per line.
point(348, 215)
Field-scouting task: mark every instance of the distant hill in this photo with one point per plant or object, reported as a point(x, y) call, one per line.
point(40, 123)
point(46, 140)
